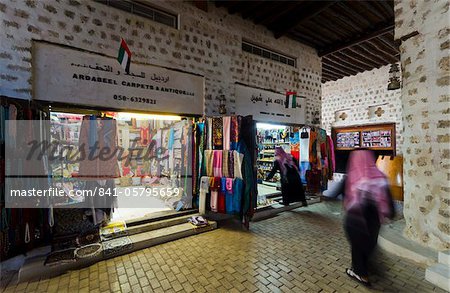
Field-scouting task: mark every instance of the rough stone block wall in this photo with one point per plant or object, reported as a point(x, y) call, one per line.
point(355, 94)
point(426, 117)
point(206, 43)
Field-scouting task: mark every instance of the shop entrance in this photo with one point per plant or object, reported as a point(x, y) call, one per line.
point(153, 156)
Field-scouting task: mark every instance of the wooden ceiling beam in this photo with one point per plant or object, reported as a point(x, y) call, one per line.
point(336, 60)
point(315, 36)
point(362, 57)
point(275, 16)
point(332, 74)
point(346, 8)
point(358, 40)
point(356, 59)
point(350, 60)
point(389, 42)
point(381, 9)
point(380, 52)
point(304, 39)
point(298, 17)
point(370, 55)
point(325, 23)
point(338, 69)
point(378, 42)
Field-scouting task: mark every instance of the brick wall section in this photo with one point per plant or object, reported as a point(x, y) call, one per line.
point(426, 117)
point(206, 43)
point(357, 93)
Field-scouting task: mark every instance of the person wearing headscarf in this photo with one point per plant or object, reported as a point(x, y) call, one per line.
point(291, 185)
point(367, 203)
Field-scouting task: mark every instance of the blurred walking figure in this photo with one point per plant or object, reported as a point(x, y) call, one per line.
point(367, 203)
point(291, 184)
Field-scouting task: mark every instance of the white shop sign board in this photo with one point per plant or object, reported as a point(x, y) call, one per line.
point(267, 106)
point(66, 75)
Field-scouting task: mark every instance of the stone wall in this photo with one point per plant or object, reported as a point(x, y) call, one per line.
point(207, 43)
point(358, 95)
point(426, 117)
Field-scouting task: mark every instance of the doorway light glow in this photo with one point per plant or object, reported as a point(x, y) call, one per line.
point(269, 126)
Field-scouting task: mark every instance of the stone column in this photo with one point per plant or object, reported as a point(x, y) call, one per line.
point(424, 28)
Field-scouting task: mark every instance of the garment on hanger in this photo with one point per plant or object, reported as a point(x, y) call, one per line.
point(217, 133)
point(226, 132)
point(304, 148)
point(217, 163)
point(204, 189)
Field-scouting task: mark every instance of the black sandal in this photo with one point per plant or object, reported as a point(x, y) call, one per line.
point(357, 278)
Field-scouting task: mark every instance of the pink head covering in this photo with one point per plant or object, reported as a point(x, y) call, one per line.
point(284, 159)
point(363, 175)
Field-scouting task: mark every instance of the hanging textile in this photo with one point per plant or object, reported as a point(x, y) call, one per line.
point(217, 129)
point(304, 148)
point(226, 132)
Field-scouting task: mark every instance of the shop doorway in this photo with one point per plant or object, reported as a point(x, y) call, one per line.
point(153, 156)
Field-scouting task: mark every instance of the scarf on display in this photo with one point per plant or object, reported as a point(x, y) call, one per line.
point(217, 128)
point(313, 147)
point(209, 163)
point(234, 131)
point(221, 199)
point(209, 133)
point(214, 187)
point(225, 159)
point(217, 163)
point(365, 182)
point(238, 188)
point(226, 132)
point(284, 160)
point(229, 195)
point(231, 164)
point(238, 159)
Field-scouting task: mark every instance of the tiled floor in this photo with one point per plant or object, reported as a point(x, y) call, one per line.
point(304, 250)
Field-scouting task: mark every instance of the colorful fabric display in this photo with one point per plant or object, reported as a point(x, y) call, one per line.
point(234, 132)
point(209, 134)
point(238, 187)
point(225, 159)
point(217, 133)
point(221, 199)
point(304, 166)
point(231, 164)
point(217, 163)
point(238, 159)
point(209, 163)
point(229, 195)
point(214, 187)
point(226, 132)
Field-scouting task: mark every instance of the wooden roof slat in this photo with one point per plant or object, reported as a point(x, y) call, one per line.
point(315, 36)
point(353, 42)
point(330, 74)
point(356, 58)
point(361, 56)
point(324, 22)
point(305, 39)
point(343, 9)
point(334, 59)
point(389, 42)
point(313, 9)
point(365, 10)
point(370, 55)
point(337, 69)
point(379, 7)
point(352, 60)
point(379, 43)
point(379, 52)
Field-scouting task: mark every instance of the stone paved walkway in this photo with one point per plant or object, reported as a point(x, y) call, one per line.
point(304, 250)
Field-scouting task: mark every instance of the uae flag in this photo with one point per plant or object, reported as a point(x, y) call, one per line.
point(124, 57)
point(291, 100)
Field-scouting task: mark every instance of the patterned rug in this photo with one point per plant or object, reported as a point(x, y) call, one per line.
point(116, 246)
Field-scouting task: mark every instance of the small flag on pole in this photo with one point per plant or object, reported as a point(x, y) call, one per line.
point(291, 100)
point(124, 56)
